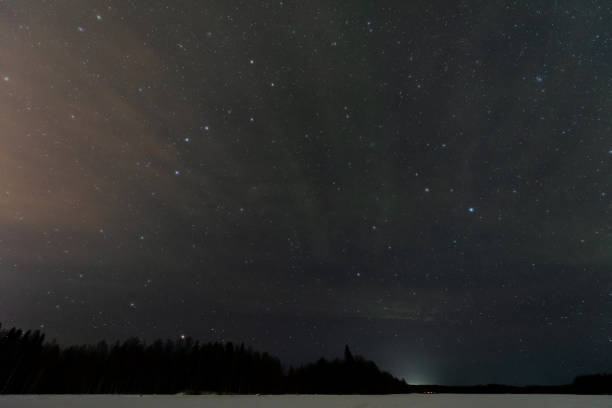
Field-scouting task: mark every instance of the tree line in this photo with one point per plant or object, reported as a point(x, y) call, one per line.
point(29, 365)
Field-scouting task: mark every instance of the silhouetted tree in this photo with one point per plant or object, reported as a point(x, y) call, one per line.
point(29, 365)
point(593, 384)
point(353, 375)
point(348, 356)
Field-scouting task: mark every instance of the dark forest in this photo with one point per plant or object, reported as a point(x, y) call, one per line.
point(30, 365)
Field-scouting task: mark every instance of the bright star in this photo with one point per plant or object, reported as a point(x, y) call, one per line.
point(471, 209)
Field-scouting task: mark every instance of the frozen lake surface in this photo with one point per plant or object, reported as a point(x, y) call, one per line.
point(309, 401)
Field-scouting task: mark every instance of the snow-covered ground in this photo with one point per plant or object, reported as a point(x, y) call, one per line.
point(308, 401)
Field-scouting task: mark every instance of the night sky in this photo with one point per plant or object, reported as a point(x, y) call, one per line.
point(429, 182)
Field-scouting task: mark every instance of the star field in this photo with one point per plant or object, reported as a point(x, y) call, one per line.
point(427, 182)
